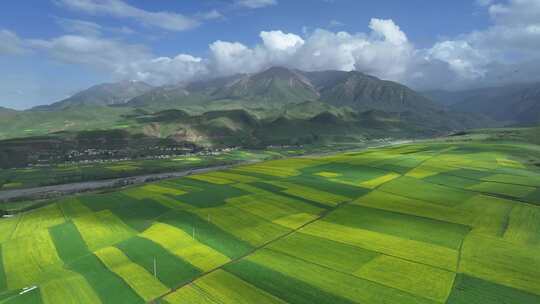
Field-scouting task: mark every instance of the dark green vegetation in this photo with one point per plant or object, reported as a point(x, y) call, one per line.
point(449, 221)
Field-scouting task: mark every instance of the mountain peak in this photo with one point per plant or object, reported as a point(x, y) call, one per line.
point(103, 94)
point(277, 71)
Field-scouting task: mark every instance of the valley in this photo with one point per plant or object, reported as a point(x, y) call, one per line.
point(269, 152)
point(336, 228)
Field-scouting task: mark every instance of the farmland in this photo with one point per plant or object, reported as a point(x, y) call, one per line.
point(433, 222)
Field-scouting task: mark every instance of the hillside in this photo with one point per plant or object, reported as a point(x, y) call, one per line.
point(277, 86)
point(364, 92)
point(513, 104)
point(6, 110)
point(101, 95)
point(276, 94)
point(274, 86)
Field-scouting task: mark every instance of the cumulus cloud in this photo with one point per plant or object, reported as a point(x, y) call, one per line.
point(506, 51)
point(384, 51)
point(279, 41)
point(163, 70)
point(255, 3)
point(486, 57)
point(461, 58)
point(117, 8)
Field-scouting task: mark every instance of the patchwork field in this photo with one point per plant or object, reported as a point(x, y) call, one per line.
point(422, 223)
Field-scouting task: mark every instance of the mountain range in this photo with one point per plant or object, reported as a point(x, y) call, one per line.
point(102, 95)
point(516, 104)
point(277, 105)
point(277, 86)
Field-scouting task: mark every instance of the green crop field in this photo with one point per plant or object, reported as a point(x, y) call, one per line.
point(437, 222)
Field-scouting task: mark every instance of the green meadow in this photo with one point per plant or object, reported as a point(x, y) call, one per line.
point(432, 222)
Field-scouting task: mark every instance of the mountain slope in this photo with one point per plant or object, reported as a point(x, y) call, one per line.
point(101, 95)
point(513, 104)
point(276, 85)
point(364, 92)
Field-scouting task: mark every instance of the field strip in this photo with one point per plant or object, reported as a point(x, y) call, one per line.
point(253, 250)
point(179, 243)
point(12, 232)
point(141, 281)
point(323, 214)
point(354, 274)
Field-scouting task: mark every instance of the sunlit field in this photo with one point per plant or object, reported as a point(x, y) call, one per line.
point(423, 223)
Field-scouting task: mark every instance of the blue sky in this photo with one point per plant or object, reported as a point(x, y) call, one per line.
point(50, 49)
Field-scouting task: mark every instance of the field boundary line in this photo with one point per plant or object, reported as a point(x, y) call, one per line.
point(361, 278)
point(323, 214)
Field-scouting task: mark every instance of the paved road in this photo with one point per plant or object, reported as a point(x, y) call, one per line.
point(57, 190)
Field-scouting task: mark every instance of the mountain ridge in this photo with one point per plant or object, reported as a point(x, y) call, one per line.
point(101, 94)
point(510, 104)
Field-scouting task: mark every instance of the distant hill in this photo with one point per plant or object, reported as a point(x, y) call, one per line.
point(511, 104)
point(448, 98)
point(249, 108)
point(274, 86)
point(101, 95)
point(7, 110)
point(278, 86)
point(161, 95)
point(364, 92)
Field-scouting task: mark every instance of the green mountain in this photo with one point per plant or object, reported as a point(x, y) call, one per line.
point(274, 86)
point(278, 86)
point(165, 95)
point(364, 92)
point(249, 110)
point(102, 94)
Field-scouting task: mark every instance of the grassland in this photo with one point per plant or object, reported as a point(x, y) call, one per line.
point(440, 222)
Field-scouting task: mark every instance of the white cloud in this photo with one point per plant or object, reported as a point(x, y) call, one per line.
point(82, 27)
point(388, 30)
point(213, 14)
point(462, 59)
point(485, 57)
point(516, 12)
point(10, 43)
point(255, 3)
point(279, 41)
point(229, 58)
point(164, 70)
point(95, 52)
point(88, 28)
point(117, 8)
point(335, 23)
